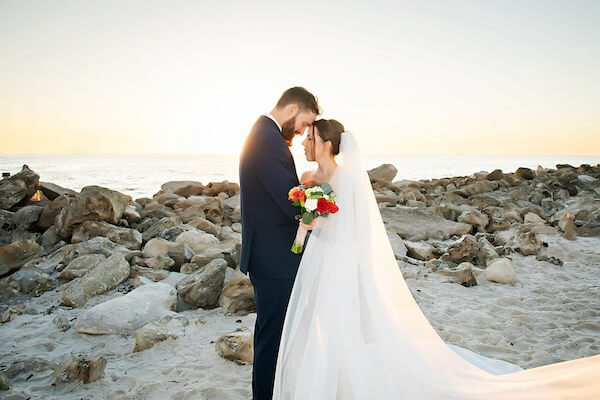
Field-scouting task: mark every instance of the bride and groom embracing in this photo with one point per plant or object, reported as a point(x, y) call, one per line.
point(338, 321)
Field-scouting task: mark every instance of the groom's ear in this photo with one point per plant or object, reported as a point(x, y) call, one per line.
point(291, 109)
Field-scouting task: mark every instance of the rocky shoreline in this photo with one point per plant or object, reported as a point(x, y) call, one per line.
point(104, 294)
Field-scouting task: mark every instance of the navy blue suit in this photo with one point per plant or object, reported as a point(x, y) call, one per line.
point(267, 173)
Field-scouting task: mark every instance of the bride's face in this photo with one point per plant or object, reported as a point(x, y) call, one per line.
point(314, 146)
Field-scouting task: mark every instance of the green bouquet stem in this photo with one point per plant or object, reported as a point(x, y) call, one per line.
point(298, 245)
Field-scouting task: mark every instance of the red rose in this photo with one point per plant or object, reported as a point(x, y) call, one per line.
point(322, 205)
point(309, 182)
point(332, 207)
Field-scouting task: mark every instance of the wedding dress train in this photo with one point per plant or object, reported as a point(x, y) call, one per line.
point(353, 330)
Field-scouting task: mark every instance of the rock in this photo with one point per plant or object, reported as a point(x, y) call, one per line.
point(51, 210)
point(203, 287)
point(525, 173)
point(14, 255)
point(549, 259)
point(152, 274)
point(501, 270)
point(232, 202)
point(183, 188)
point(129, 238)
point(237, 296)
point(486, 253)
point(385, 172)
point(94, 203)
point(237, 346)
point(27, 366)
point(160, 262)
point(62, 323)
point(418, 224)
point(397, 244)
point(103, 277)
point(79, 368)
point(421, 250)
point(158, 331)
point(32, 281)
point(179, 252)
point(18, 188)
point(27, 217)
point(4, 383)
point(462, 274)
point(532, 218)
point(527, 243)
point(171, 233)
point(124, 314)
point(50, 239)
point(567, 225)
point(197, 240)
point(6, 219)
point(159, 226)
point(205, 225)
point(464, 249)
point(475, 218)
point(495, 175)
point(81, 265)
point(236, 227)
point(52, 191)
point(214, 188)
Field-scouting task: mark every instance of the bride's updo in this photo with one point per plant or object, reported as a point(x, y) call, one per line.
point(330, 130)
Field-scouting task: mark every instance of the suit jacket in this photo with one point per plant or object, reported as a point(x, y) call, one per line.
point(267, 173)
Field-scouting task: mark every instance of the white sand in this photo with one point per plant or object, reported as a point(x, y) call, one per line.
point(551, 314)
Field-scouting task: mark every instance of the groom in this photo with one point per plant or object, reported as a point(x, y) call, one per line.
point(267, 173)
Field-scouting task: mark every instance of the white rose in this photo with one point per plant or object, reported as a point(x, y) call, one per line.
point(311, 191)
point(311, 204)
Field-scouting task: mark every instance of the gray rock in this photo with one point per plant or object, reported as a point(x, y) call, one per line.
point(198, 241)
point(418, 224)
point(103, 277)
point(62, 323)
point(14, 255)
point(27, 217)
point(475, 218)
point(129, 238)
point(525, 173)
point(94, 203)
point(125, 314)
point(81, 265)
point(159, 226)
point(183, 188)
point(4, 383)
point(398, 246)
point(79, 368)
point(32, 281)
point(160, 262)
point(567, 225)
point(51, 210)
point(152, 274)
point(52, 191)
point(205, 225)
point(203, 287)
point(462, 274)
point(465, 249)
point(18, 188)
point(385, 172)
point(421, 250)
point(158, 331)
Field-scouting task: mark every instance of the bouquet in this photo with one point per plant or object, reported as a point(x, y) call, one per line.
point(315, 200)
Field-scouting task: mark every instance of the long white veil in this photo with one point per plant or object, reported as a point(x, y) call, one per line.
point(354, 331)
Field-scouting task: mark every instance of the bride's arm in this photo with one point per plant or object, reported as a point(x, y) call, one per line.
point(305, 176)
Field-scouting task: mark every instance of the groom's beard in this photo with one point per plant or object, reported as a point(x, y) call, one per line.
point(287, 130)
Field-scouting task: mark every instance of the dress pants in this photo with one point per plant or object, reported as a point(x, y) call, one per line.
point(272, 297)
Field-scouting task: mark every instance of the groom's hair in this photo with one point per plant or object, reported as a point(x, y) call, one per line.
point(298, 95)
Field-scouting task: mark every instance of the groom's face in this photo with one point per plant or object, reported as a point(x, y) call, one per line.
point(297, 123)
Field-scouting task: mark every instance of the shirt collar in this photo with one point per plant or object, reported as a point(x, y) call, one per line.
point(273, 119)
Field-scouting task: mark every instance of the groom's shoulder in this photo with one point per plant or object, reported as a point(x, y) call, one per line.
point(264, 130)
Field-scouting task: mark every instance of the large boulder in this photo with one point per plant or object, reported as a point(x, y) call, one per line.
point(197, 240)
point(14, 255)
point(52, 191)
point(123, 315)
point(203, 287)
point(32, 281)
point(52, 209)
point(129, 238)
point(27, 217)
point(81, 265)
point(18, 188)
point(94, 203)
point(180, 252)
point(417, 224)
point(385, 172)
point(237, 346)
point(103, 277)
point(183, 188)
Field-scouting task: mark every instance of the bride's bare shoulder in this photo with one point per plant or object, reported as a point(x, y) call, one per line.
point(306, 175)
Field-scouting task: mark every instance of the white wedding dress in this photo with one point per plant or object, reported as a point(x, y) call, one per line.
point(354, 332)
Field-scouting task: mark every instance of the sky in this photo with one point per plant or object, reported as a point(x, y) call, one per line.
point(406, 77)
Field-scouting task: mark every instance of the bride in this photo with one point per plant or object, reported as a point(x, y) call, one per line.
point(353, 330)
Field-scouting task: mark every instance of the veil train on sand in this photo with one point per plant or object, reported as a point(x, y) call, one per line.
point(354, 331)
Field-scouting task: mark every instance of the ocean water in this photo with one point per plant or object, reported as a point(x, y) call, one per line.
point(143, 175)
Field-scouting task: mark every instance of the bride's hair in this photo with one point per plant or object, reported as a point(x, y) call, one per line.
point(330, 130)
